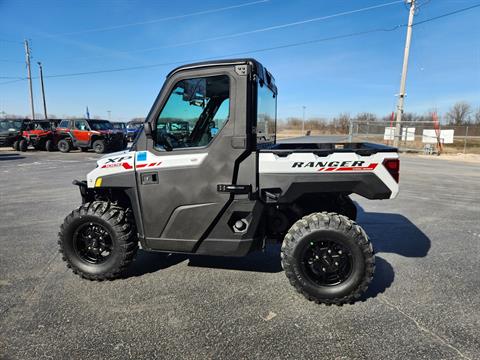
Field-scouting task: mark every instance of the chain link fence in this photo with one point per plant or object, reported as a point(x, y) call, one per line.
point(424, 137)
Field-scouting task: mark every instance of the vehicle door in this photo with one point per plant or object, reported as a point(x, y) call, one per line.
point(178, 172)
point(81, 132)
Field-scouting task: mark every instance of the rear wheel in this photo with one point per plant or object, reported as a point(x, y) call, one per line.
point(64, 146)
point(15, 145)
point(49, 145)
point(98, 240)
point(99, 146)
point(328, 258)
point(23, 145)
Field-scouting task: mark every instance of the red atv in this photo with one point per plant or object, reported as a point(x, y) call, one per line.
point(40, 134)
point(86, 134)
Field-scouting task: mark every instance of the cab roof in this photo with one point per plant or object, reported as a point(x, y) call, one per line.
point(258, 68)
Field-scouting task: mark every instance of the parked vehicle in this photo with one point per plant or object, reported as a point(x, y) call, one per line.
point(11, 132)
point(120, 126)
point(86, 134)
point(133, 128)
point(229, 191)
point(176, 128)
point(40, 134)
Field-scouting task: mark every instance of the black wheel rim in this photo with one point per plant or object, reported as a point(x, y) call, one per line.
point(327, 262)
point(98, 147)
point(93, 243)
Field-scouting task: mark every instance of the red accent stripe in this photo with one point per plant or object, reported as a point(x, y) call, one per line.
point(141, 165)
point(127, 166)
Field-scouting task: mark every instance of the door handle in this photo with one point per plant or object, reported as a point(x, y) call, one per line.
point(149, 178)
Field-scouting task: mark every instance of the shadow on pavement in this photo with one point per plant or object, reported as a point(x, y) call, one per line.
point(393, 233)
point(11, 156)
point(389, 233)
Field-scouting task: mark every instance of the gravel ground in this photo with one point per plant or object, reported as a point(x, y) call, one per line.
point(423, 302)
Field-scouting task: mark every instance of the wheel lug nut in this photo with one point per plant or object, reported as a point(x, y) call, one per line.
point(329, 251)
point(316, 256)
point(340, 252)
point(336, 264)
point(323, 269)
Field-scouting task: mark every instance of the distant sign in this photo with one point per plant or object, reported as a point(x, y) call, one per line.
point(430, 136)
point(389, 133)
point(408, 134)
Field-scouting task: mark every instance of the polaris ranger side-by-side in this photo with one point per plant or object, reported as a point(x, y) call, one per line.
point(226, 188)
point(86, 134)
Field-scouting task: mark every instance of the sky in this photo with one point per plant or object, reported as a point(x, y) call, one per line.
point(342, 75)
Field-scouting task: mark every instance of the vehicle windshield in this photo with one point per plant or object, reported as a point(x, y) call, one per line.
point(10, 125)
point(134, 126)
point(118, 125)
point(41, 126)
point(101, 125)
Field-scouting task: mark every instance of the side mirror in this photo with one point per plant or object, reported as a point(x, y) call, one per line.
point(148, 130)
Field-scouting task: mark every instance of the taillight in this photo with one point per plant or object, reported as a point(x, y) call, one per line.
point(393, 167)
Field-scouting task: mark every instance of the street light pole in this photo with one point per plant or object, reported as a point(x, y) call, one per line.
point(43, 91)
point(303, 121)
point(401, 95)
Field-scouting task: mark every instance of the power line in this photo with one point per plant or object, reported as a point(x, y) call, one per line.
point(256, 31)
point(168, 18)
point(296, 44)
point(226, 55)
point(447, 14)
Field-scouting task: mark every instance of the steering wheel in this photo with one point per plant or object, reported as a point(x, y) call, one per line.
point(170, 140)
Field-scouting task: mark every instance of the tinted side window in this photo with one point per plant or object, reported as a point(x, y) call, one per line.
point(195, 112)
point(266, 114)
point(80, 125)
point(63, 124)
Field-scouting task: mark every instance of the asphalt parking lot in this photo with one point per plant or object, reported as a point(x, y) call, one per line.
point(424, 301)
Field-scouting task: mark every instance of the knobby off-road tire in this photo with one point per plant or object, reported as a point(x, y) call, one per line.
point(23, 145)
point(49, 146)
point(105, 223)
point(313, 247)
point(15, 145)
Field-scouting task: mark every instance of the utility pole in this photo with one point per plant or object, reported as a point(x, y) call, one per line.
point(43, 90)
point(401, 95)
point(109, 113)
point(303, 121)
point(29, 73)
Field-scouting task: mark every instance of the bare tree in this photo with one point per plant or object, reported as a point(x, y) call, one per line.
point(341, 123)
point(366, 116)
point(459, 114)
point(477, 116)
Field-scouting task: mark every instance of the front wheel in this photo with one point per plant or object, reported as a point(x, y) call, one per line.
point(64, 146)
point(99, 146)
point(328, 258)
point(98, 240)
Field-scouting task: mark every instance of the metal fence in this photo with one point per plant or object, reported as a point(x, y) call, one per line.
point(420, 136)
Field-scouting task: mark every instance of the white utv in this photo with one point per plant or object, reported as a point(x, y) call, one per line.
point(225, 187)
